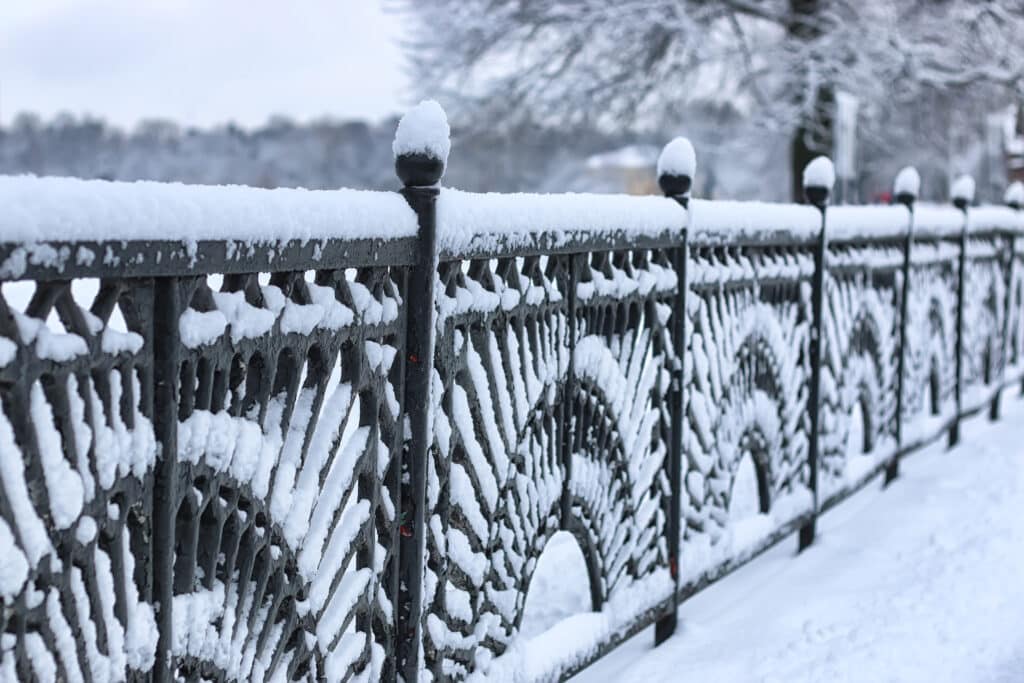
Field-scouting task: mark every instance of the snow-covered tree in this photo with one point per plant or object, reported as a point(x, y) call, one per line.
point(640, 63)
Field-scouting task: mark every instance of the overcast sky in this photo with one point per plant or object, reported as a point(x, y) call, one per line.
point(200, 62)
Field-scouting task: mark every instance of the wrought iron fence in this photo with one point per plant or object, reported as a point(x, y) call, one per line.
point(339, 458)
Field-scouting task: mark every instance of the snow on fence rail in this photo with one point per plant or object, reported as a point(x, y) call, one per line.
point(251, 434)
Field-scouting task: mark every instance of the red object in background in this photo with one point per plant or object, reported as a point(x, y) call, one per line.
point(883, 197)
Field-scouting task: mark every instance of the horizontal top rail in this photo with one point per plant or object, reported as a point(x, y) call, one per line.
point(864, 223)
point(42, 209)
point(52, 227)
point(872, 223)
point(715, 223)
point(160, 229)
point(63, 259)
point(494, 224)
point(937, 220)
point(994, 218)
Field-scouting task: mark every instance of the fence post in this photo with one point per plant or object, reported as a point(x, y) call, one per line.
point(994, 410)
point(166, 312)
point(676, 167)
point(819, 177)
point(962, 193)
point(905, 189)
point(1014, 199)
point(419, 162)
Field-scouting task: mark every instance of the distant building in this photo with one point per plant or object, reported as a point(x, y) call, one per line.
point(629, 169)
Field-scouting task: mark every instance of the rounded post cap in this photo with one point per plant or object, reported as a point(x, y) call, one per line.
point(677, 166)
point(421, 145)
point(819, 177)
point(962, 191)
point(674, 185)
point(1014, 196)
point(907, 185)
point(418, 169)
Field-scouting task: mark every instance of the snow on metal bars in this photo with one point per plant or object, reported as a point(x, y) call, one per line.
point(286, 435)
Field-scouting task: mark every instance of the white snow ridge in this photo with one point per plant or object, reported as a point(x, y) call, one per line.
point(963, 189)
point(70, 209)
point(424, 130)
point(908, 181)
point(678, 158)
point(820, 173)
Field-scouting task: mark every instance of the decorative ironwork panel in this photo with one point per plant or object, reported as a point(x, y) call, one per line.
point(495, 476)
point(621, 427)
point(550, 413)
point(748, 374)
point(860, 362)
point(289, 419)
point(985, 282)
point(931, 335)
point(282, 499)
point(77, 451)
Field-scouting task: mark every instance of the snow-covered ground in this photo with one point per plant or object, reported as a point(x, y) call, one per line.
point(921, 582)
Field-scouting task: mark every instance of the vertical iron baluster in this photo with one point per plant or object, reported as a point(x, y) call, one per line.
point(1014, 196)
point(166, 351)
point(1010, 259)
point(666, 626)
point(676, 186)
point(905, 196)
point(960, 202)
point(420, 173)
point(817, 194)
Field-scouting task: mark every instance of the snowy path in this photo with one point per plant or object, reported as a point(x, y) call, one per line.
point(924, 582)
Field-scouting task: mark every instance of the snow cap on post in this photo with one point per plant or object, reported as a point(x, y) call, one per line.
point(907, 186)
point(421, 145)
point(1014, 196)
point(962, 191)
point(677, 165)
point(819, 177)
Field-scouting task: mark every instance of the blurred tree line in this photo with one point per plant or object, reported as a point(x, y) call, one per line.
point(735, 159)
point(317, 155)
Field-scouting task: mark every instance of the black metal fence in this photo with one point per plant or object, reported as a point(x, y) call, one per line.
point(339, 459)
